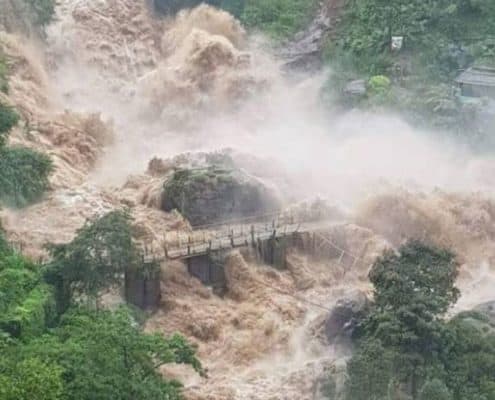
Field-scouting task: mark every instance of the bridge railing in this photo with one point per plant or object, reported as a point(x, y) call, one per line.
point(232, 229)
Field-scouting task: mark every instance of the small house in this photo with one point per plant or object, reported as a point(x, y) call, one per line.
point(477, 82)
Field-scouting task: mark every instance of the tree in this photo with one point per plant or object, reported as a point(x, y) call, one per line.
point(413, 289)
point(24, 175)
point(418, 276)
point(105, 356)
point(96, 259)
point(8, 119)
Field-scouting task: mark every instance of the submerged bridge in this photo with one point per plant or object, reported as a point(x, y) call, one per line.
point(266, 233)
point(231, 234)
point(268, 237)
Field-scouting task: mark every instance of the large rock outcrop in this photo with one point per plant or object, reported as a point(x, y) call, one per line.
point(214, 194)
point(345, 316)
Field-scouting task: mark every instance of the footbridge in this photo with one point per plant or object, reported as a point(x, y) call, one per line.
point(267, 237)
point(252, 231)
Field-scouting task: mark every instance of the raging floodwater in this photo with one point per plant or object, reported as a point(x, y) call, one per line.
point(117, 86)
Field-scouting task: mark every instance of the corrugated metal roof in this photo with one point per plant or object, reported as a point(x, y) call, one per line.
point(479, 76)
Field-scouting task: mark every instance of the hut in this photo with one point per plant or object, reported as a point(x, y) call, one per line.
point(477, 82)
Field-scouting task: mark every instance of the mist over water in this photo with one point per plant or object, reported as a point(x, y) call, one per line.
point(206, 86)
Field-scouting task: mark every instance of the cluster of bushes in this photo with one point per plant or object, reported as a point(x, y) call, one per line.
point(57, 343)
point(4, 85)
point(441, 37)
point(406, 349)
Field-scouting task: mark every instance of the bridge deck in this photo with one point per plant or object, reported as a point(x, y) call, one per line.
point(240, 236)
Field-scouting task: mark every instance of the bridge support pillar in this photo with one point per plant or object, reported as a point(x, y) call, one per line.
point(142, 286)
point(209, 269)
point(273, 251)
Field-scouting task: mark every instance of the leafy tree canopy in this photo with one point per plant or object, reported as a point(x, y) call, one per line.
point(95, 355)
point(23, 175)
point(406, 349)
point(96, 259)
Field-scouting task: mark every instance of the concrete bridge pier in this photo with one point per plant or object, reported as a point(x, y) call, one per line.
point(273, 251)
point(209, 269)
point(142, 286)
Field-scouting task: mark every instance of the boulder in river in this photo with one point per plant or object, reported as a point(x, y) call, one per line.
point(345, 316)
point(214, 194)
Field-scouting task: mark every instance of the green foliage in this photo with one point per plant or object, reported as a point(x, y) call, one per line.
point(32, 315)
point(86, 354)
point(31, 379)
point(440, 38)
point(434, 390)
point(234, 7)
point(4, 84)
point(371, 370)
point(470, 357)
point(279, 18)
point(8, 119)
point(432, 30)
point(419, 276)
point(104, 355)
point(5, 248)
point(43, 11)
point(379, 84)
point(24, 175)
point(23, 172)
point(405, 347)
point(97, 258)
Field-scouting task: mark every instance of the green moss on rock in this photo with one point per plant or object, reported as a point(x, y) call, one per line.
point(213, 194)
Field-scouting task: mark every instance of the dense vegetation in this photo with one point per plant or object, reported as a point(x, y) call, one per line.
point(4, 85)
point(55, 348)
point(97, 258)
point(441, 37)
point(405, 347)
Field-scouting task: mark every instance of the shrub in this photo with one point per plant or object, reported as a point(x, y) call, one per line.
point(23, 175)
point(4, 86)
point(8, 119)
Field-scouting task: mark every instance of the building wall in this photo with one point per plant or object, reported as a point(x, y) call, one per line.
point(477, 91)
